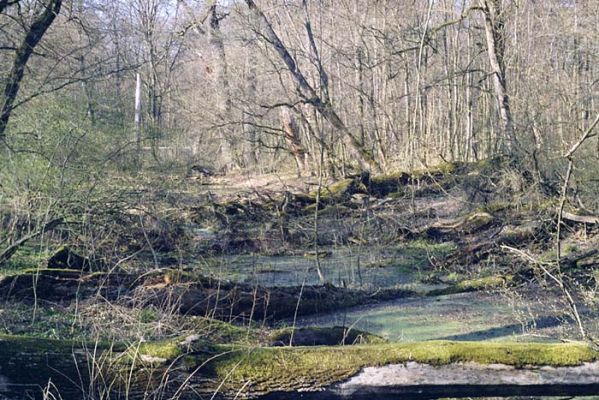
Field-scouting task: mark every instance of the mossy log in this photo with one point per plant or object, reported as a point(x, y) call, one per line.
point(334, 372)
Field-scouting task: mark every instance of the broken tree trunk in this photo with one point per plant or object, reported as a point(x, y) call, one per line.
point(292, 137)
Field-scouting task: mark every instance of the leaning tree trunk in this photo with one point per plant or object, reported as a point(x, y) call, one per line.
point(33, 36)
point(356, 149)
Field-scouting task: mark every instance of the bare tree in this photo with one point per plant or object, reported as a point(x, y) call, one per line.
point(44, 17)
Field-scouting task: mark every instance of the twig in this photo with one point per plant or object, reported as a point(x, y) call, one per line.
point(558, 280)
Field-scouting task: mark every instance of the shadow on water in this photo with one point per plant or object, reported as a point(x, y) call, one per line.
point(507, 330)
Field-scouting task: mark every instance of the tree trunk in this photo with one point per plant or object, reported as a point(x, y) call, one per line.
point(224, 96)
point(292, 137)
point(495, 36)
point(138, 127)
point(251, 133)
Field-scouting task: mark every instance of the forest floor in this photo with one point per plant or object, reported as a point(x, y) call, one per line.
point(199, 280)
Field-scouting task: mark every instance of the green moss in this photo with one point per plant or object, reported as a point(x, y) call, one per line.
point(436, 248)
point(28, 344)
point(314, 367)
point(340, 190)
point(389, 179)
point(166, 349)
point(33, 344)
point(444, 168)
point(486, 282)
point(223, 332)
point(384, 185)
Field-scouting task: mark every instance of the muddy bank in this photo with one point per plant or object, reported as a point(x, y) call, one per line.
point(195, 295)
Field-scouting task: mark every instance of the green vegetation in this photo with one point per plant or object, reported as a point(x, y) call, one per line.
point(166, 349)
point(26, 258)
point(340, 190)
point(141, 184)
point(31, 344)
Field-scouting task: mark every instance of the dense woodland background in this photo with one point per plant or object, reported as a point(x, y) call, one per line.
point(97, 91)
point(412, 83)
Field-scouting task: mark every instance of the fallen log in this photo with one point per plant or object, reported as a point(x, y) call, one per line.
point(583, 219)
point(229, 301)
point(418, 370)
